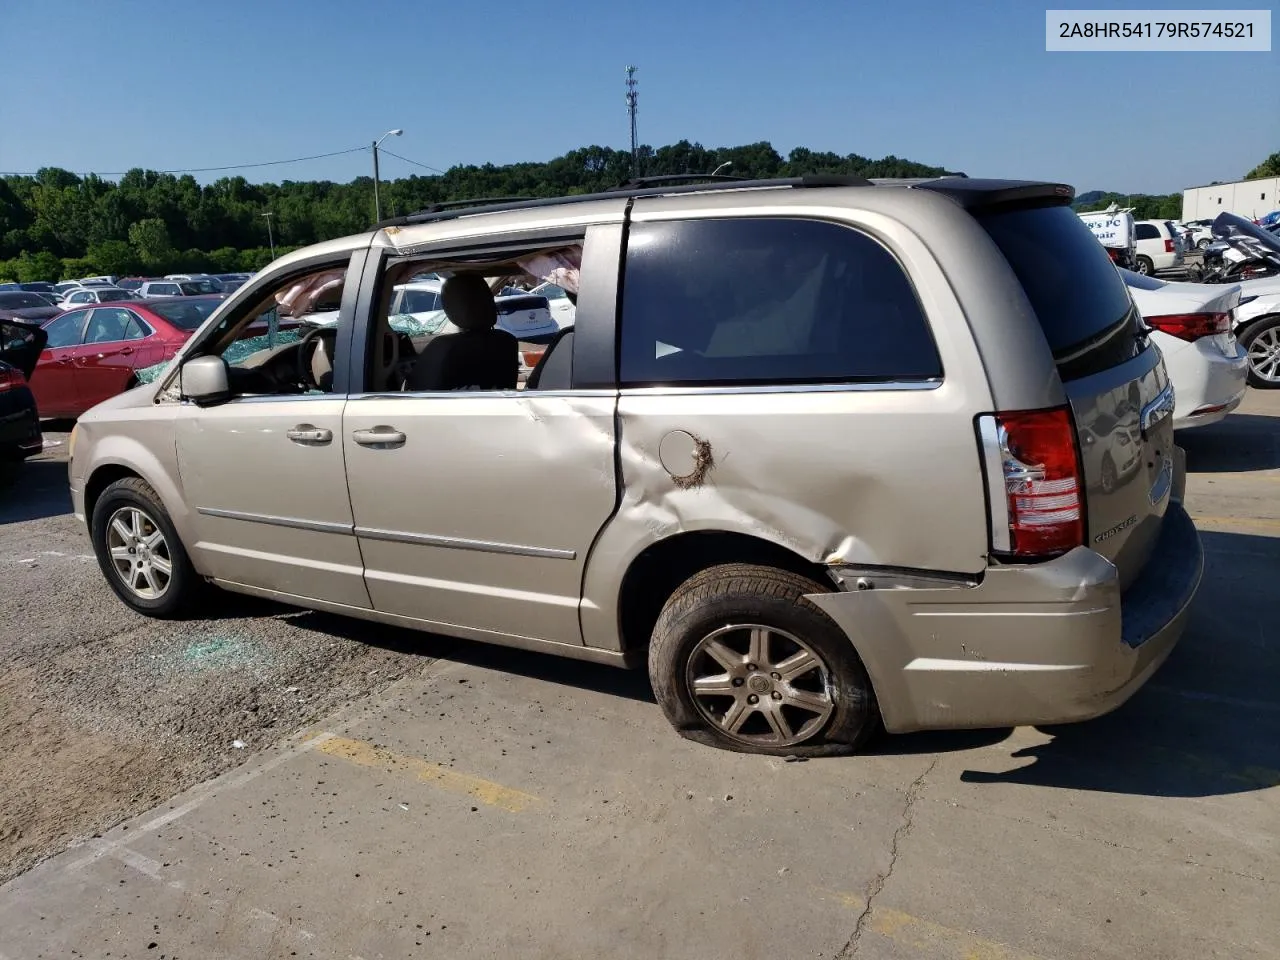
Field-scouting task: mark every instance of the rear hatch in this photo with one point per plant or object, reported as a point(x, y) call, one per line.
point(1117, 388)
point(525, 315)
point(20, 345)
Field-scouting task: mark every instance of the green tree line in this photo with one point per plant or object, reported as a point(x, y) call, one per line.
point(58, 225)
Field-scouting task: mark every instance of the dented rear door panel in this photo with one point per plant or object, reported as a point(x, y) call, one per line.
point(851, 477)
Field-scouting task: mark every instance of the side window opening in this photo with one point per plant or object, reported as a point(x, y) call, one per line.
point(113, 325)
point(285, 344)
point(768, 301)
point(471, 325)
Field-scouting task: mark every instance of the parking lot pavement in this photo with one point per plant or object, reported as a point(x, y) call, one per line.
point(501, 803)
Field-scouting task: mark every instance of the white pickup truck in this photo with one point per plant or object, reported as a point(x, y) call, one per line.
point(1117, 231)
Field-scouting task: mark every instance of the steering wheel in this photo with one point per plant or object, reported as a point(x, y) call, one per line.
point(306, 348)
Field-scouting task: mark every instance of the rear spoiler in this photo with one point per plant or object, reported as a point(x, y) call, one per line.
point(986, 194)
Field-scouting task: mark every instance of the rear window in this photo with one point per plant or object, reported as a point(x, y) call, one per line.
point(1148, 231)
point(195, 287)
point(21, 301)
point(186, 314)
point(1076, 292)
point(419, 301)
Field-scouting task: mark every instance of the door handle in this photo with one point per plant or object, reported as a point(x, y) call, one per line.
point(307, 435)
point(379, 438)
point(126, 351)
point(63, 360)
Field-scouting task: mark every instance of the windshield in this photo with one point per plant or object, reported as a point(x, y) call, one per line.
point(194, 287)
point(21, 301)
point(185, 314)
point(550, 291)
point(106, 296)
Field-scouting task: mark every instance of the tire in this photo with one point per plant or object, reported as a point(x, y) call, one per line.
point(828, 706)
point(1261, 341)
point(1145, 266)
point(1203, 244)
point(145, 529)
point(1108, 474)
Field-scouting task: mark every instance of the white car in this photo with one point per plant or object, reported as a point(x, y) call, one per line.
point(1197, 237)
point(563, 309)
point(1258, 328)
point(526, 316)
point(1159, 246)
point(1191, 323)
point(85, 296)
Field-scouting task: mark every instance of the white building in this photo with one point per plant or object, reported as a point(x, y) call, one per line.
point(1248, 198)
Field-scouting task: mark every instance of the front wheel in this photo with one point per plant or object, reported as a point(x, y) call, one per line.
point(1146, 267)
point(740, 660)
point(1203, 244)
point(1261, 342)
point(139, 551)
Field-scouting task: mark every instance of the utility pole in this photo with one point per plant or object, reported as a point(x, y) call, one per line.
point(633, 99)
point(271, 238)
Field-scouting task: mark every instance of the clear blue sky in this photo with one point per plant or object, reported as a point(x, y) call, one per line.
point(106, 85)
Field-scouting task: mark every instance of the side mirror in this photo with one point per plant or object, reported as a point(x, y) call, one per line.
point(204, 380)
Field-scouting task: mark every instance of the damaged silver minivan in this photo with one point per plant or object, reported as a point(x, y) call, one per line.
point(810, 447)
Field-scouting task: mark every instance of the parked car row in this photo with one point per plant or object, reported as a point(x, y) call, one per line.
point(189, 284)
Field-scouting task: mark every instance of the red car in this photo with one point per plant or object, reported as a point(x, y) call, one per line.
point(92, 353)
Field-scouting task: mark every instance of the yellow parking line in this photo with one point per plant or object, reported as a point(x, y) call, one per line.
point(485, 791)
point(920, 934)
point(1248, 523)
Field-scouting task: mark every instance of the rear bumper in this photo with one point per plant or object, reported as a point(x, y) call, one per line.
point(1209, 382)
point(1037, 644)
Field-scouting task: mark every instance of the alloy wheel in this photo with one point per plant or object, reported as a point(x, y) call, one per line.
point(139, 553)
point(1264, 355)
point(760, 685)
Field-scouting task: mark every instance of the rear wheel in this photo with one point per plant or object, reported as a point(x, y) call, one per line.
point(1203, 244)
point(740, 660)
point(1145, 266)
point(1261, 341)
point(139, 551)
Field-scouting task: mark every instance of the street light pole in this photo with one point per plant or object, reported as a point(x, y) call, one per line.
point(271, 239)
point(723, 166)
point(377, 204)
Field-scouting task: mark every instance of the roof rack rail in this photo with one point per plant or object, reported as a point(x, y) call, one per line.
point(637, 182)
point(644, 187)
point(445, 205)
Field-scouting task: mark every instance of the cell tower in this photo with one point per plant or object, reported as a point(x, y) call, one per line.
point(633, 99)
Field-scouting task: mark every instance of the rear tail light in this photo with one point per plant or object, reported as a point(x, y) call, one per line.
point(1191, 326)
point(1035, 485)
point(11, 379)
point(1168, 245)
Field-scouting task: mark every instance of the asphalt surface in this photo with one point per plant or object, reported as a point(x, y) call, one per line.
point(490, 803)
